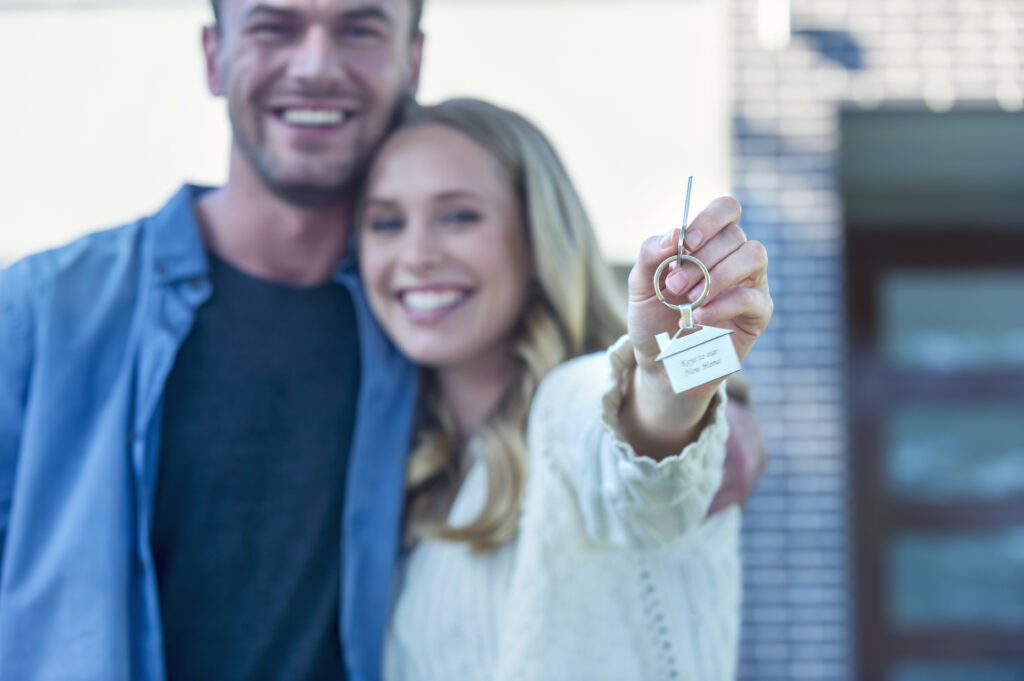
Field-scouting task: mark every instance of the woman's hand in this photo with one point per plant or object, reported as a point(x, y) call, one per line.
point(739, 299)
point(656, 420)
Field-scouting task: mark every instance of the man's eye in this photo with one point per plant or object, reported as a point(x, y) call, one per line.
point(461, 217)
point(388, 224)
point(360, 32)
point(272, 30)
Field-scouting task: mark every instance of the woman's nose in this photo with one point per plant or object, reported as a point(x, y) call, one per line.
point(421, 250)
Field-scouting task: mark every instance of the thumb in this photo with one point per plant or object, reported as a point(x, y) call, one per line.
point(653, 252)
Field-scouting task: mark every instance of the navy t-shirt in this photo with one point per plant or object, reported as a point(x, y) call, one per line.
point(257, 422)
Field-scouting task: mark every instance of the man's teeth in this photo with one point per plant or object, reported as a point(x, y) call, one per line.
point(313, 117)
point(428, 301)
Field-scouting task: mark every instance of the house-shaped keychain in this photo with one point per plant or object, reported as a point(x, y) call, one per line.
point(699, 357)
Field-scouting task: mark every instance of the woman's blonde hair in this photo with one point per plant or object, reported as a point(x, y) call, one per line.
point(575, 307)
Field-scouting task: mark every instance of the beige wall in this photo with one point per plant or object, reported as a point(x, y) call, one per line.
point(111, 112)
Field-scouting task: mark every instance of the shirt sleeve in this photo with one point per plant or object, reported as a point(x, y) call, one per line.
point(15, 365)
point(625, 499)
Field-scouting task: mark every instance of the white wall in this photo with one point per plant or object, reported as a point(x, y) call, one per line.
point(106, 111)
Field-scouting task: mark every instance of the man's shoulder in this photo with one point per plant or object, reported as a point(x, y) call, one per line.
point(101, 253)
point(86, 257)
point(46, 284)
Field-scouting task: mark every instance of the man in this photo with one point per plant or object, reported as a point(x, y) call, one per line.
point(202, 431)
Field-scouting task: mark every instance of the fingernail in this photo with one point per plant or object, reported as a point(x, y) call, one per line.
point(677, 281)
point(693, 238)
point(695, 294)
point(666, 238)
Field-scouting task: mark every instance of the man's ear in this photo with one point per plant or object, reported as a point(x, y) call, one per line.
point(415, 61)
point(211, 53)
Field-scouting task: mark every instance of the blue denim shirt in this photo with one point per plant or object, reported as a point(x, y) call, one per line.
point(88, 334)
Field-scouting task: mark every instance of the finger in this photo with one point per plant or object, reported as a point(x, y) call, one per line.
point(720, 212)
point(750, 308)
point(714, 251)
point(703, 239)
point(746, 266)
point(653, 251)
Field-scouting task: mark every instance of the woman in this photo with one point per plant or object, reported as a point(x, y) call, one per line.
point(555, 517)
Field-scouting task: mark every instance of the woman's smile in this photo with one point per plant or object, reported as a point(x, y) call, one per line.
point(432, 303)
point(444, 250)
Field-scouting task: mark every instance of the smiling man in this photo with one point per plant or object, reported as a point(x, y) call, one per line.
point(202, 430)
point(178, 396)
point(311, 89)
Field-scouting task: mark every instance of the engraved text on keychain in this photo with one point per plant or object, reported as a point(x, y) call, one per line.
point(696, 354)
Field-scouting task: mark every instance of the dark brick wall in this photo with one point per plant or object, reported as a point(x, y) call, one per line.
point(798, 611)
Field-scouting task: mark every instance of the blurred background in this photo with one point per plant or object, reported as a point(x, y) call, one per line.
point(877, 147)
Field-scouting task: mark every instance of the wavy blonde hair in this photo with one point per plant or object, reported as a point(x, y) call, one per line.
point(575, 307)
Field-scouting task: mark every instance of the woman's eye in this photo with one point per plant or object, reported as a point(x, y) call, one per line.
point(461, 217)
point(388, 224)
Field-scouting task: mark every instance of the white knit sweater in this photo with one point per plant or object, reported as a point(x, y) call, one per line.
point(614, 573)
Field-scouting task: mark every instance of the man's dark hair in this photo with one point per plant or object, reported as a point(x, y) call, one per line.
point(417, 14)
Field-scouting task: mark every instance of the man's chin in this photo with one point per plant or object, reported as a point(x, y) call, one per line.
point(307, 182)
point(312, 191)
point(312, 196)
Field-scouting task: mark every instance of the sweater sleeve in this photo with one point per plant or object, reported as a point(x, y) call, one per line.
point(624, 499)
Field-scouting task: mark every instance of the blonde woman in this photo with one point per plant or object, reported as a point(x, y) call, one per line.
point(556, 509)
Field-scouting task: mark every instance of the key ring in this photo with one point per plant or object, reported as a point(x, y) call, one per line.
point(694, 356)
point(685, 310)
point(678, 258)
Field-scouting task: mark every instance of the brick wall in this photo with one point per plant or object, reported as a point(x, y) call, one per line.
point(798, 611)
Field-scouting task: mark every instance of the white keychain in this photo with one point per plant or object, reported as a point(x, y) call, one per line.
point(695, 355)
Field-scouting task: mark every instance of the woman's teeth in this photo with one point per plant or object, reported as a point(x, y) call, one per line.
point(313, 117)
point(429, 301)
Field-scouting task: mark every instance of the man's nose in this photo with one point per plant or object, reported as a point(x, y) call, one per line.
point(317, 61)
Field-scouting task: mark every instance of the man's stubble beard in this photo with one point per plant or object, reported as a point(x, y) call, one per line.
point(351, 174)
point(303, 193)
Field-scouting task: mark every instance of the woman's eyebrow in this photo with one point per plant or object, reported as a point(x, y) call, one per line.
point(458, 194)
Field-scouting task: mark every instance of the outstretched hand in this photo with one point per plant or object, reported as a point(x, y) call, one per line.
point(738, 298)
point(656, 421)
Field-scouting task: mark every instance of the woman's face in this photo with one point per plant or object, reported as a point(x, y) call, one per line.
point(443, 249)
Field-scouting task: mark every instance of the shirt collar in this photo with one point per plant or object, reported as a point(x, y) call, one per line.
point(178, 250)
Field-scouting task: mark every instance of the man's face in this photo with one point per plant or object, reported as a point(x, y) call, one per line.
point(312, 86)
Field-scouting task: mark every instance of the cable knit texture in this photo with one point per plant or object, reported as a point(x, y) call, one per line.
point(614, 574)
